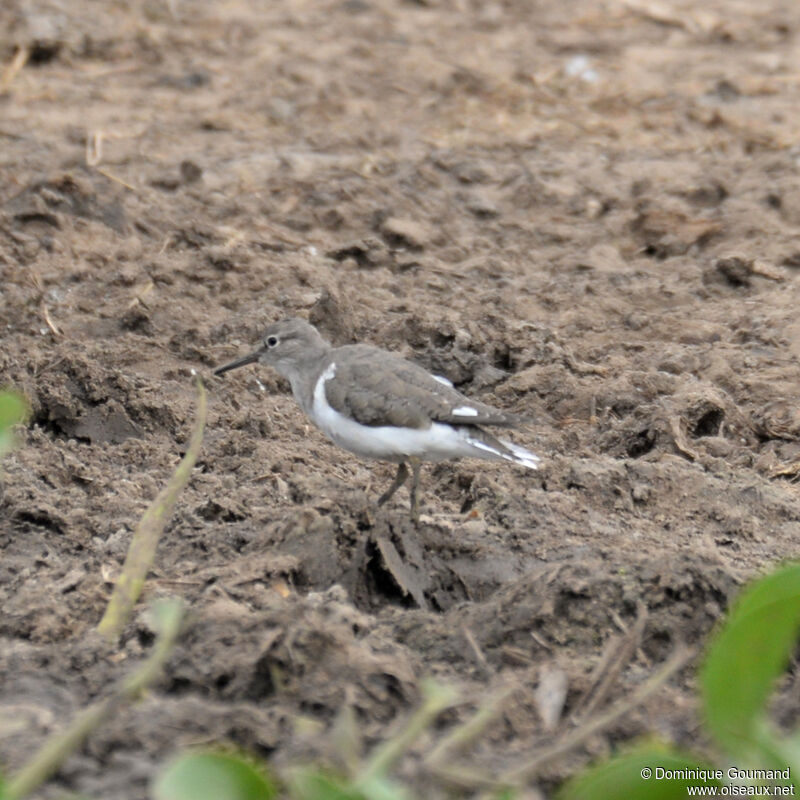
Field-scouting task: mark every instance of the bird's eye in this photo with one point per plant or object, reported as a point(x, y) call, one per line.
point(272, 341)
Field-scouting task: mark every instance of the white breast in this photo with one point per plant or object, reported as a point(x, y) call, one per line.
point(386, 442)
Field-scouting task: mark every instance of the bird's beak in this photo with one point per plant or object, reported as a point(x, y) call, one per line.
point(250, 358)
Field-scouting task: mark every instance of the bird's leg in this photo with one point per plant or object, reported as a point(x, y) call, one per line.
point(415, 467)
point(399, 480)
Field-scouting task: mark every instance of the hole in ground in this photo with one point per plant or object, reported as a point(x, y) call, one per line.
point(641, 443)
point(381, 582)
point(709, 423)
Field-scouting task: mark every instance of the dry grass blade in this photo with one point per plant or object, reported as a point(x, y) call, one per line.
point(169, 614)
point(16, 64)
point(54, 329)
point(480, 658)
point(94, 148)
point(770, 272)
point(693, 20)
point(145, 540)
point(118, 180)
point(140, 296)
point(576, 737)
point(617, 656)
point(789, 470)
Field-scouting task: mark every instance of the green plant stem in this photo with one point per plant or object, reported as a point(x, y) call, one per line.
point(145, 540)
point(437, 699)
point(59, 747)
point(471, 729)
point(465, 778)
point(527, 769)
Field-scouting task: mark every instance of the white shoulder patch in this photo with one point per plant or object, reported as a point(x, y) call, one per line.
point(443, 380)
point(465, 411)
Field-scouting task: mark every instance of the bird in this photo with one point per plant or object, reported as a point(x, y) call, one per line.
point(381, 406)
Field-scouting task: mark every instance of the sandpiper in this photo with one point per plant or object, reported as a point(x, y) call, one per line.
point(378, 405)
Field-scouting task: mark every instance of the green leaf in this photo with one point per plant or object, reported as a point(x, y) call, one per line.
point(623, 776)
point(13, 411)
point(790, 746)
point(750, 651)
point(383, 788)
point(309, 783)
point(212, 776)
point(165, 614)
point(789, 749)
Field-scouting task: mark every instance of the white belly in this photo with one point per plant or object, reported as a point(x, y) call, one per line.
point(386, 442)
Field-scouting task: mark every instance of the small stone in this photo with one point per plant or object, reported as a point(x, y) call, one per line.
point(190, 172)
point(482, 206)
point(130, 249)
point(402, 232)
point(718, 446)
point(593, 208)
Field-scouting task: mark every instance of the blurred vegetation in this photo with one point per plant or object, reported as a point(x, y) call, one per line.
point(142, 549)
point(746, 657)
point(13, 412)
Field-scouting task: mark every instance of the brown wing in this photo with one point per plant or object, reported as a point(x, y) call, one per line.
point(377, 388)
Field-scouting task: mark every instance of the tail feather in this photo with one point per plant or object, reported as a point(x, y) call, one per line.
point(522, 456)
point(501, 449)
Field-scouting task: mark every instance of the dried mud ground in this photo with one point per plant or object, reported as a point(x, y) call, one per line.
point(584, 212)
